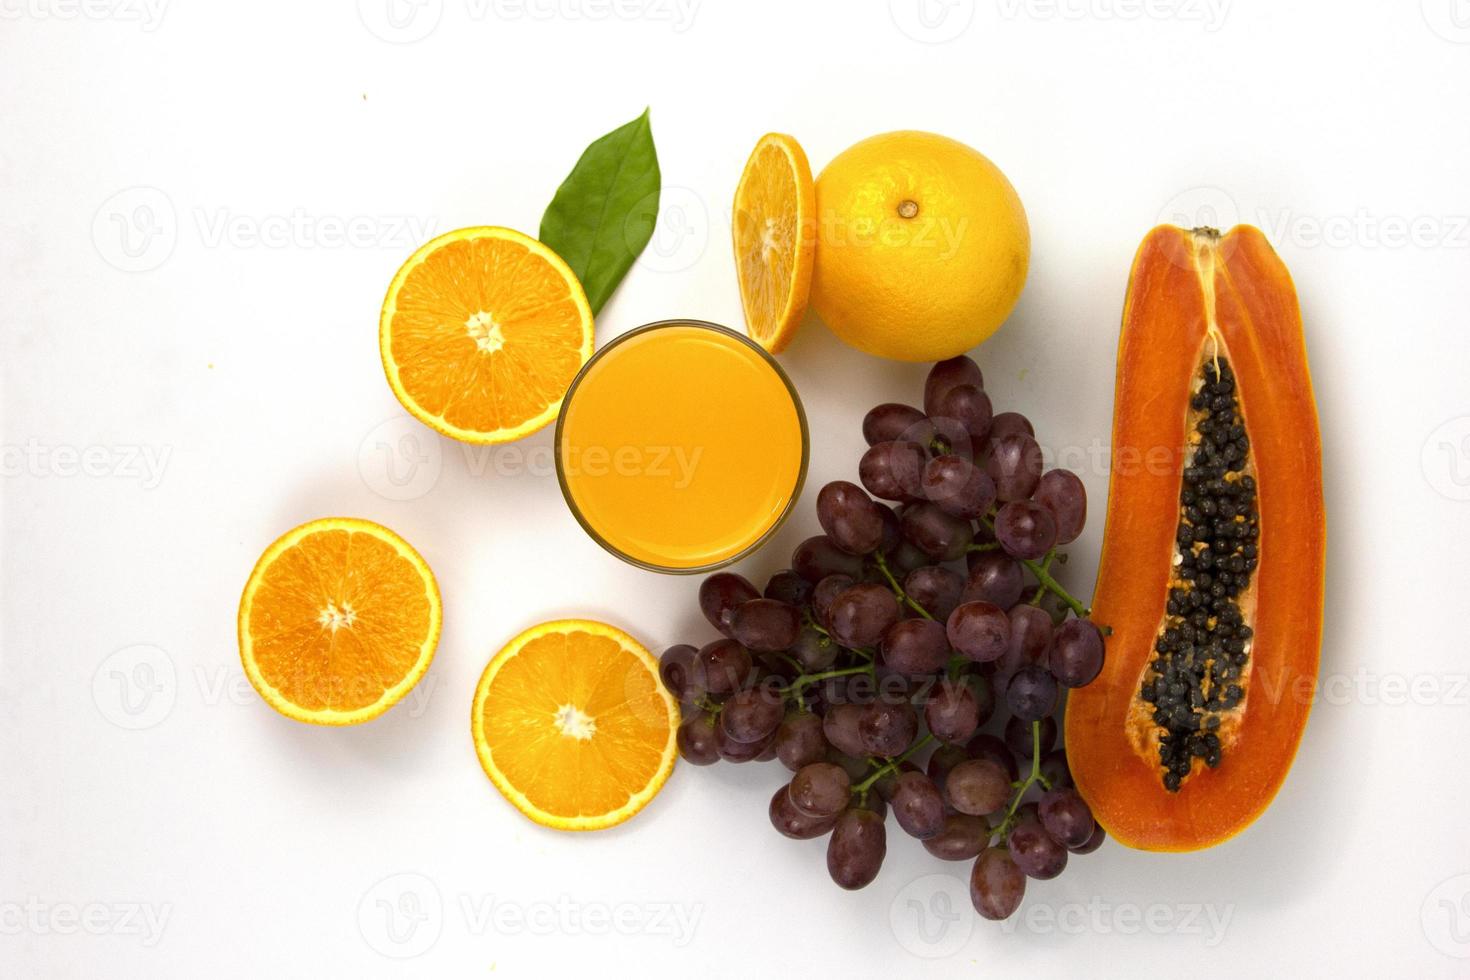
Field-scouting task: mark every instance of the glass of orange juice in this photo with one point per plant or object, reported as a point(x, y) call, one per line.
point(681, 446)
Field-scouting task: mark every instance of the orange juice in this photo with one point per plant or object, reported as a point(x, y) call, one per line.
point(680, 446)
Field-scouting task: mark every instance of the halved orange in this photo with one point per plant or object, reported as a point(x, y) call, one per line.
point(338, 621)
point(775, 239)
point(482, 331)
point(572, 725)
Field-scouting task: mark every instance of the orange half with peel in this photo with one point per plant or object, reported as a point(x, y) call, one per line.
point(482, 331)
point(572, 725)
point(338, 621)
point(775, 239)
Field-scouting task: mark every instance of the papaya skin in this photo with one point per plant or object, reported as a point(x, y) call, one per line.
point(1193, 294)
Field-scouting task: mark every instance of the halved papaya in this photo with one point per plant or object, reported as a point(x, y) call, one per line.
point(1214, 550)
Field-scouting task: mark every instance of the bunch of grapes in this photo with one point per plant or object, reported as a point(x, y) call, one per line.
point(928, 626)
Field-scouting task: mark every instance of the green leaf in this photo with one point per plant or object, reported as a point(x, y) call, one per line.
point(603, 213)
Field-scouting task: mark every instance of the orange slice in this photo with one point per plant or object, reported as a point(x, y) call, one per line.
point(775, 241)
point(338, 621)
point(572, 725)
point(482, 331)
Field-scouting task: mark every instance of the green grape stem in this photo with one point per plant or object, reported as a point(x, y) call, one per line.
point(1035, 778)
point(898, 590)
point(794, 688)
point(892, 764)
point(1044, 577)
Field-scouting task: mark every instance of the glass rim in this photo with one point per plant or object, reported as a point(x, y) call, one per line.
point(768, 533)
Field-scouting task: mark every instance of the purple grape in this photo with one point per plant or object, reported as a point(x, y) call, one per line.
point(952, 712)
point(825, 593)
point(720, 594)
point(887, 783)
point(791, 822)
point(889, 421)
point(799, 740)
point(752, 714)
point(855, 766)
point(942, 760)
point(936, 588)
point(789, 587)
point(1054, 769)
point(979, 630)
point(813, 651)
point(984, 691)
point(1025, 529)
point(1032, 693)
point(978, 787)
point(765, 625)
point(696, 740)
point(1034, 851)
point(987, 746)
point(887, 729)
point(850, 518)
point(720, 668)
point(961, 838)
point(820, 790)
point(1076, 655)
point(733, 751)
point(947, 375)
point(914, 647)
point(816, 558)
point(1009, 424)
point(970, 407)
point(676, 670)
point(1062, 494)
point(1093, 843)
point(840, 728)
point(996, 884)
point(1018, 736)
point(861, 614)
point(893, 470)
point(856, 848)
point(993, 578)
point(958, 487)
point(1030, 636)
point(1066, 817)
point(917, 805)
point(940, 536)
point(1014, 465)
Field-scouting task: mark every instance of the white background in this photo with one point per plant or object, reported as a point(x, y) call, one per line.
point(174, 183)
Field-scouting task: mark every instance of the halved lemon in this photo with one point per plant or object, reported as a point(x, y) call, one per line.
point(775, 239)
point(572, 725)
point(338, 621)
point(482, 331)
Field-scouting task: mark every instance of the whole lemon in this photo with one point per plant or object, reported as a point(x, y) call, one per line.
point(922, 246)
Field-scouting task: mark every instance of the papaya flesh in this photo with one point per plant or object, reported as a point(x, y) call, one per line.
point(1214, 551)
